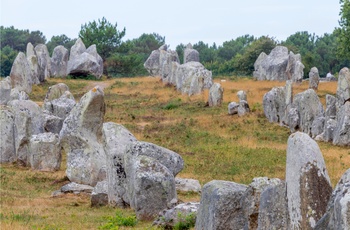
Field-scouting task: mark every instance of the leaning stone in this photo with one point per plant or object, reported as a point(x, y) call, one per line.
point(220, 206)
point(329, 128)
point(308, 184)
point(81, 138)
point(216, 93)
point(44, 62)
point(181, 213)
point(99, 196)
point(243, 108)
point(187, 185)
point(5, 91)
point(45, 152)
point(233, 108)
point(21, 75)
point(338, 209)
point(273, 209)
point(7, 130)
point(314, 78)
point(343, 90)
point(317, 126)
point(76, 188)
point(242, 95)
point(116, 140)
point(342, 131)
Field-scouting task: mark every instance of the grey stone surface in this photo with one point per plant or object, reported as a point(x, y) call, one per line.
point(99, 195)
point(52, 123)
point(317, 126)
point(59, 61)
point(243, 108)
point(293, 119)
point(152, 64)
point(331, 107)
point(18, 95)
point(329, 130)
point(220, 206)
point(295, 68)
point(308, 184)
point(21, 74)
point(259, 71)
point(274, 104)
point(314, 78)
point(30, 50)
point(56, 91)
point(190, 54)
point(343, 89)
point(116, 141)
point(81, 138)
point(44, 61)
point(216, 94)
point(233, 108)
point(34, 67)
point(342, 130)
point(187, 185)
point(5, 91)
point(76, 188)
point(7, 130)
point(242, 95)
point(45, 152)
point(166, 71)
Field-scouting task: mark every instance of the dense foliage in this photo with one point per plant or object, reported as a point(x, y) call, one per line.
point(329, 52)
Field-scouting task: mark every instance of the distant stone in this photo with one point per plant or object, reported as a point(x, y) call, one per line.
point(187, 185)
point(329, 130)
point(220, 206)
point(77, 49)
point(343, 90)
point(259, 70)
point(243, 108)
point(216, 93)
point(59, 62)
point(308, 184)
point(166, 71)
point(30, 50)
point(34, 67)
point(242, 95)
point(7, 130)
point(330, 77)
point(44, 62)
point(45, 152)
point(190, 54)
point(314, 78)
point(293, 119)
point(152, 64)
point(317, 126)
point(331, 107)
point(76, 188)
point(274, 104)
point(99, 196)
point(233, 108)
point(5, 91)
point(21, 74)
point(342, 130)
point(295, 67)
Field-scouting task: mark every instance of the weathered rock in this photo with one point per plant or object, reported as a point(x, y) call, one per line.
point(44, 61)
point(273, 209)
point(190, 54)
point(76, 188)
point(81, 137)
point(166, 59)
point(116, 140)
point(330, 77)
point(331, 107)
point(5, 91)
point(259, 71)
point(28, 121)
point(52, 124)
point(251, 200)
point(59, 62)
point(18, 95)
point(151, 185)
point(45, 152)
point(99, 196)
point(30, 50)
point(187, 185)
point(329, 128)
point(34, 67)
point(152, 63)
point(7, 130)
point(193, 78)
point(309, 108)
point(343, 90)
point(314, 78)
point(274, 104)
point(243, 108)
point(56, 91)
point(242, 95)
point(293, 119)
point(220, 206)
point(84, 61)
point(216, 93)
point(317, 126)
point(168, 218)
point(294, 69)
point(342, 130)
point(21, 74)
point(233, 108)
point(288, 93)
point(173, 73)
point(308, 184)
point(338, 209)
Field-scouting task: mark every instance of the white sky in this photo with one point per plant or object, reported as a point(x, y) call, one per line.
point(180, 21)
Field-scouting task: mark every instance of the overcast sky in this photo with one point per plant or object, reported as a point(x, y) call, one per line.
point(180, 21)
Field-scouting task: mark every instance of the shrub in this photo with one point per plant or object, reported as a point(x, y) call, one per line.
point(119, 220)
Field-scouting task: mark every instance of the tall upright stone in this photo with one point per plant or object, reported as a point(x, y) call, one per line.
point(59, 62)
point(190, 54)
point(342, 130)
point(216, 94)
point(343, 89)
point(44, 61)
point(308, 183)
point(7, 130)
point(314, 78)
point(21, 74)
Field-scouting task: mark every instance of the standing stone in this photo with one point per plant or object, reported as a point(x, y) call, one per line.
point(293, 119)
point(152, 63)
point(56, 91)
point(7, 130)
point(77, 49)
point(45, 152)
point(21, 75)
point(343, 90)
point(308, 184)
point(338, 209)
point(99, 196)
point(242, 95)
point(190, 54)
point(243, 108)
point(28, 121)
point(331, 107)
point(81, 137)
point(294, 69)
point(216, 93)
point(259, 70)
point(314, 78)
point(44, 61)
point(274, 104)
point(30, 50)
point(5, 91)
point(342, 130)
point(166, 59)
point(329, 130)
point(273, 209)
point(317, 126)
point(116, 140)
point(173, 73)
point(34, 67)
point(233, 108)
point(59, 62)
point(220, 206)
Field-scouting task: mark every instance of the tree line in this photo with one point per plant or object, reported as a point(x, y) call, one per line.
point(329, 52)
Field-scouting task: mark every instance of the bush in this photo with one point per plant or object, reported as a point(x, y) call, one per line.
point(119, 220)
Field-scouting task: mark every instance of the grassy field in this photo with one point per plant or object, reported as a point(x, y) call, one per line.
point(213, 144)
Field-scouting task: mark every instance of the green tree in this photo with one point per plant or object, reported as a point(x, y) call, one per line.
point(206, 53)
point(7, 57)
point(60, 40)
point(343, 33)
point(18, 39)
point(104, 35)
point(230, 49)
